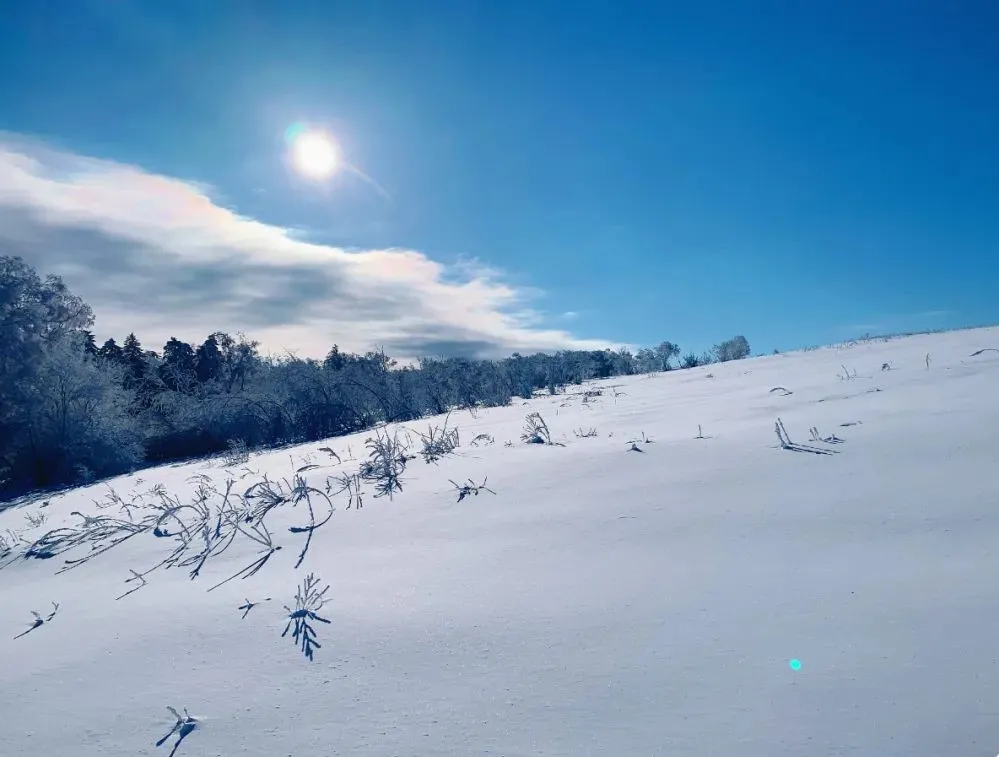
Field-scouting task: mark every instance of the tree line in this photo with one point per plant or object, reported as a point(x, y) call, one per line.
point(72, 411)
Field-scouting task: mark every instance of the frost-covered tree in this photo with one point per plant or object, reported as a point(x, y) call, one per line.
point(72, 420)
point(646, 360)
point(35, 316)
point(690, 360)
point(33, 311)
point(70, 410)
point(238, 359)
point(735, 348)
point(666, 351)
point(622, 362)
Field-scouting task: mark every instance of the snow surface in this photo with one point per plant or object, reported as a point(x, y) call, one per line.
point(603, 602)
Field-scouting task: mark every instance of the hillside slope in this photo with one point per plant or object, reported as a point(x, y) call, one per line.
point(604, 601)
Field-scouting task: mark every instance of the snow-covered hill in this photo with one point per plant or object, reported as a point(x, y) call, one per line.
point(604, 601)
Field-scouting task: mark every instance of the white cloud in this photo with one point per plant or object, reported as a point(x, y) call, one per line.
point(156, 255)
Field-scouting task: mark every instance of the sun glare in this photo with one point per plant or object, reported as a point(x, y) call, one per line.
point(314, 155)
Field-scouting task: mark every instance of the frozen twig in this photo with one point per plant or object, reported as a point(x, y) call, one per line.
point(786, 443)
point(309, 600)
point(136, 576)
point(39, 621)
point(471, 488)
point(9, 541)
point(250, 605)
point(782, 436)
point(634, 443)
point(35, 520)
point(349, 483)
point(817, 437)
point(302, 492)
point(847, 374)
point(260, 534)
point(183, 727)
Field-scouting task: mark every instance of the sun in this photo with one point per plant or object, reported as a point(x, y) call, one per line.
point(314, 154)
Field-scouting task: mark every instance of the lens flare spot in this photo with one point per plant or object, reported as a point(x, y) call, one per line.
point(293, 132)
point(795, 664)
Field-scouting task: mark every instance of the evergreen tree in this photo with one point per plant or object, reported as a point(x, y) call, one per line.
point(111, 352)
point(134, 362)
point(89, 343)
point(208, 360)
point(178, 369)
point(335, 360)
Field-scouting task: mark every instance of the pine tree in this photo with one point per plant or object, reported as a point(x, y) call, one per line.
point(111, 352)
point(335, 360)
point(134, 359)
point(208, 360)
point(178, 369)
point(89, 343)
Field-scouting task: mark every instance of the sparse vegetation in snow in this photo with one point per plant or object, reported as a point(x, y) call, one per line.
point(309, 600)
point(471, 489)
point(39, 620)
point(536, 431)
point(183, 727)
point(439, 441)
point(387, 460)
point(431, 591)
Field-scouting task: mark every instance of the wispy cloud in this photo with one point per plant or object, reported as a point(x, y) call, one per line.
point(158, 256)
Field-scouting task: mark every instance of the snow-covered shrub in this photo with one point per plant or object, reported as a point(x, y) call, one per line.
point(536, 430)
point(438, 442)
point(386, 463)
point(236, 453)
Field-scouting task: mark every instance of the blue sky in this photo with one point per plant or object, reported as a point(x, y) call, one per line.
point(557, 174)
